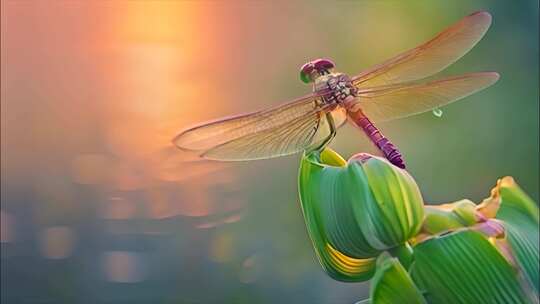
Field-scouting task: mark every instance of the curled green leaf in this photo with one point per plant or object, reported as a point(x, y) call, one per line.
point(357, 209)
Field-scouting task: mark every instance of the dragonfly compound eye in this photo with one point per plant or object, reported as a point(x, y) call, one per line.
point(323, 64)
point(305, 72)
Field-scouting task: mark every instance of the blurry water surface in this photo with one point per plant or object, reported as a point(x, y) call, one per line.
point(98, 207)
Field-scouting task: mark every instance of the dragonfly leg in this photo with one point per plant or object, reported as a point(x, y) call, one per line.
point(326, 141)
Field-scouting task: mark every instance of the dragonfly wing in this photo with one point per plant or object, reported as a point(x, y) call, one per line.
point(397, 101)
point(290, 137)
point(429, 58)
point(283, 130)
point(209, 135)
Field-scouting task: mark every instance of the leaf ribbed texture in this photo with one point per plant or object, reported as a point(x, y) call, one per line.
point(464, 267)
point(337, 264)
point(520, 215)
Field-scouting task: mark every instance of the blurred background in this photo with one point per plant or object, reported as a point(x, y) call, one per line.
point(98, 207)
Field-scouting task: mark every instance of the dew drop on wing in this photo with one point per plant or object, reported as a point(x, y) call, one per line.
point(437, 112)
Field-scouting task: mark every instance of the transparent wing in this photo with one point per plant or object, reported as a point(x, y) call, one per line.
point(209, 135)
point(430, 57)
point(219, 139)
point(302, 133)
point(396, 101)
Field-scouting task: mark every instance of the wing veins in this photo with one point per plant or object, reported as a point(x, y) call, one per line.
point(430, 57)
point(396, 101)
point(291, 131)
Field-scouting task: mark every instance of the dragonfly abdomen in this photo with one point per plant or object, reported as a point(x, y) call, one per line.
point(389, 150)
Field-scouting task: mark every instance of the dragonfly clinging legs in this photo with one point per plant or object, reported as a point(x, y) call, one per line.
point(384, 92)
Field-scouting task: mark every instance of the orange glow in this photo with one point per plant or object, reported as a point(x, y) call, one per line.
point(90, 168)
point(170, 22)
point(107, 86)
point(136, 80)
point(159, 91)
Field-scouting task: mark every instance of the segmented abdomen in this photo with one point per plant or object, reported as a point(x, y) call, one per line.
point(388, 149)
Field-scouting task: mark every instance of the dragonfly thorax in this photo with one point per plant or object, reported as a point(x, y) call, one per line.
point(334, 87)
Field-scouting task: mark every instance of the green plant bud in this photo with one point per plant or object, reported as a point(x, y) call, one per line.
point(466, 212)
point(445, 217)
point(358, 208)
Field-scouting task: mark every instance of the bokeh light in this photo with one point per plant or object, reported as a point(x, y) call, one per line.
point(123, 267)
point(57, 242)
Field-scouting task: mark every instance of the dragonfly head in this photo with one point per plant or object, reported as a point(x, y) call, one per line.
point(315, 68)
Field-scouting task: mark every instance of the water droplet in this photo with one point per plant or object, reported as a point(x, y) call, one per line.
point(437, 112)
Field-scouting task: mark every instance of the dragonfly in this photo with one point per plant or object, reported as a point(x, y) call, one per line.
point(387, 91)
